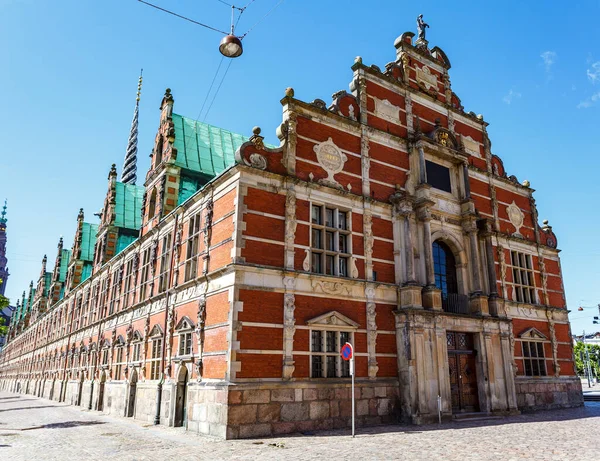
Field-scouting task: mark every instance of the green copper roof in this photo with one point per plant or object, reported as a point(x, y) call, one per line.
point(86, 271)
point(88, 241)
point(47, 282)
point(123, 241)
point(128, 206)
point(64, 262)
point(204, 148)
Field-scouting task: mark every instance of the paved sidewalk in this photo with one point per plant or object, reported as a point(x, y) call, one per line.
point(37, 429)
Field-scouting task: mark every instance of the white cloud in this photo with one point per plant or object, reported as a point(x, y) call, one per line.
point(589, 102)
point(594, 72)
point(549, 58)
point(510, 96)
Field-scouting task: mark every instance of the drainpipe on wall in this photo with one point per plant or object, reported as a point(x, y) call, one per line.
point(164, 344)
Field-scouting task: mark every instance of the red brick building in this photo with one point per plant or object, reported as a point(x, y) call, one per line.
point(383, 219)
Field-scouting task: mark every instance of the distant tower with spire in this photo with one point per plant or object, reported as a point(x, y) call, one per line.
point(128, 175)
point(3, 261)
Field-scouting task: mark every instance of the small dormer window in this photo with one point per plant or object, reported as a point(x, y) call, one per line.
point(438, 176)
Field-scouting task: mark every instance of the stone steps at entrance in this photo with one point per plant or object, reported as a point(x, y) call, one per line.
point(475, 416)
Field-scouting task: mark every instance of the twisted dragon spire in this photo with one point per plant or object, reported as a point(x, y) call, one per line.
point(128, 175)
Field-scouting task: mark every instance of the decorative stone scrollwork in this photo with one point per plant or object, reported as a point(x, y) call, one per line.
point(258, 161)
point(502, 260)
point(290, 226)
point(332, 288)
point(353, 268)
point(554, 343)
point(289, 329)
point(200, 324)
point(372, 339)
point(306, 262)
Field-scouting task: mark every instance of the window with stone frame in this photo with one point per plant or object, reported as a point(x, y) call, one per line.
point(325, 358)
point(438, 176)
point(85, 309)
point(145, 272)
point(114, 297)
point(127, 285)
point(78, 313)
point(532, 346)
point(192, 247)
point(523, 278)
point(534, 362)
point(165, 261)
point(184, 330)
point(95, 303)
point(155, 358)
point(119, 360)
point(185, 343)
point(136, 356)
point(331, 241)
point(105, 353)
point(104, 290)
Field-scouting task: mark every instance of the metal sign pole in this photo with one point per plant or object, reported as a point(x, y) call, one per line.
point(352, 374)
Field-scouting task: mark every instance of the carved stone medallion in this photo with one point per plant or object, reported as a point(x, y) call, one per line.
point(332, 159)
point(515, 215)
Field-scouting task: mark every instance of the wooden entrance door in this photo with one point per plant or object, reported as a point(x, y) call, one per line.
point(463, 375)
point(180, 397)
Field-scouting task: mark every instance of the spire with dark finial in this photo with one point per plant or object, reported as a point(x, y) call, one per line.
point(3, 214)
point(129, 176)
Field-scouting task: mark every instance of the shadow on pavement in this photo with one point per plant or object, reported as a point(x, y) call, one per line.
point(28, 408)
point(15, 397)
point(64, 425)
point(590, 410)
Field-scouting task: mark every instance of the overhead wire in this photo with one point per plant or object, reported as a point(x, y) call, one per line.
point(217, 92)
point(182, 17)
point(262, 19)
point(241, 37)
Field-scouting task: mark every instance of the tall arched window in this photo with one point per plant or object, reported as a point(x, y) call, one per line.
point(152, 204)
point(444, 267)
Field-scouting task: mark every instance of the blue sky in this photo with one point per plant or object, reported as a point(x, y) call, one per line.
point(69, 73)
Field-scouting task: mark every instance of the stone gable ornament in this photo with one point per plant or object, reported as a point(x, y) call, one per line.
point(421, 26)
point(331, 159)
point(516, 217)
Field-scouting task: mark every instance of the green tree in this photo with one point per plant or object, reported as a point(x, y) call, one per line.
point(580, 357)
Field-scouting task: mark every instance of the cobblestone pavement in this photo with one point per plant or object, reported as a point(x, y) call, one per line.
point(38, 429)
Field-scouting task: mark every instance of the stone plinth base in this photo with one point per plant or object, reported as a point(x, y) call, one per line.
point(478, 304)
point(548, 393)
point(432, 298)
point(410, 296)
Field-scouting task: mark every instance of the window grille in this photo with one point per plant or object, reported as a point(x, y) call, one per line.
point(326, 361)
point(330, 241)
point(533, 358)
point(156, 357)
point(192, 247)
point(523, 281)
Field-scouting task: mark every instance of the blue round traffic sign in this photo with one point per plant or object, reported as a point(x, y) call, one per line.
point(346, 351)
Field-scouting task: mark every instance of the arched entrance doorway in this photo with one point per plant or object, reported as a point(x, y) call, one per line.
point(180, 397)
point(444, 268)
point(132, 387)
point(100, 405)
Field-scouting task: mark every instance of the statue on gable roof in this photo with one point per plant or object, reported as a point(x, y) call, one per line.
point(421, 26)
